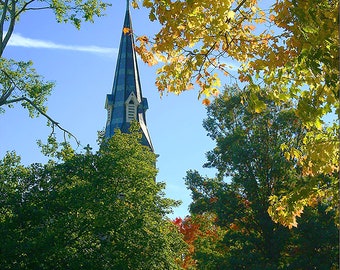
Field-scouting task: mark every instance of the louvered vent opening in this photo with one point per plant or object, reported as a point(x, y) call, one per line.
point(131, 111)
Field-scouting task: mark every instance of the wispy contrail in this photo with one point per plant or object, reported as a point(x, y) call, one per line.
point(17, 40)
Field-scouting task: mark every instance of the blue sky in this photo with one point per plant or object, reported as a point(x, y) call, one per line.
point(82, 63)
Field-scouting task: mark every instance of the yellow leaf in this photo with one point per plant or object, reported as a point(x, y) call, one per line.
point(215, 92)
point(231, 15)
point(259, 106)
point(126, 30)
point(318, 124)
point(292, 224)
point(142, 39)
point(287, 155)
point(134, 4)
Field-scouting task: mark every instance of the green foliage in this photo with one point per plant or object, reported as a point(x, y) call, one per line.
point(99, 210)
point(251, 240)
point(316, 232)
point(247, 140)
point(19, 82)
point(252, 168)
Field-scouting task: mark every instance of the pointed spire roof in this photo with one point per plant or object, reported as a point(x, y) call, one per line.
point(126, 100)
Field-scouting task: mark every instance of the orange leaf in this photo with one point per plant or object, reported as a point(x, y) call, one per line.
point(190, 86)
point(252, 27)
point(206, 102)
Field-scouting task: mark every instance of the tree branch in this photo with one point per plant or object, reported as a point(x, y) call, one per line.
point(236, 9)
point(5, 96)
point(10, 28)
point(239, 6)
point(37, 8)
point(54, 123)
point(24, 8)
point(2, 21)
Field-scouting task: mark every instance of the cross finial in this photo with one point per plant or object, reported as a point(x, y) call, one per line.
point(88, 149)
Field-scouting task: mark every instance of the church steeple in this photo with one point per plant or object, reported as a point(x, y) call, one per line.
point(126, 102)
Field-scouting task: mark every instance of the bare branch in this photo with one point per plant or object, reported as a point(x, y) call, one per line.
point(37, 8)
point(54, 123)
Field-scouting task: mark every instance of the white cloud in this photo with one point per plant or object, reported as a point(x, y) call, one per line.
point(19, 41)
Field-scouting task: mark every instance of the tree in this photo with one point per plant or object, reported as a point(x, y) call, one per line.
point(87, 211)
point(252, 142)
point(19, 82)
point(252, 168)
point(290, 48)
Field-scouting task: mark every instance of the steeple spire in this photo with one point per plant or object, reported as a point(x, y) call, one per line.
point(126, 103)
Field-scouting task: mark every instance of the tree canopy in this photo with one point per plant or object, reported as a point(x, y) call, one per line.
point(290, 48)
point(100, 210)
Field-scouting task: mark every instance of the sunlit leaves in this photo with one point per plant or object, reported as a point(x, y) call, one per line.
point(289, 48)
point(202, 41)
point(18, 80)
point(76, 12)
point(100, 210)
